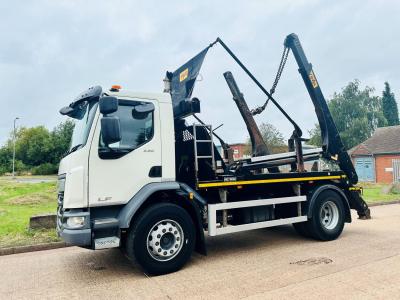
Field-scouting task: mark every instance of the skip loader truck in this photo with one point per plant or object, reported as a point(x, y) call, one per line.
point(139, 177)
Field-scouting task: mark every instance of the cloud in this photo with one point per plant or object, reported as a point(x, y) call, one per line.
point(52, 50)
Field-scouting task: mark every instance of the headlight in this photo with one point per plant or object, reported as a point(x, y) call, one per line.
point(75, 222)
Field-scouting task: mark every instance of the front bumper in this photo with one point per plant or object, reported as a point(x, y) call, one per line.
point(74, 236)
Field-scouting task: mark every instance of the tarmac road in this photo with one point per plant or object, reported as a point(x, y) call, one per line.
point(268, 263)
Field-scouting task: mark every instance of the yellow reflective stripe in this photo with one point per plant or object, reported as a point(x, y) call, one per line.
point(355, 188)
point(246, 182)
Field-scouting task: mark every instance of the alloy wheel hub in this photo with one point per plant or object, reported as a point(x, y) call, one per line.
point(165, 240)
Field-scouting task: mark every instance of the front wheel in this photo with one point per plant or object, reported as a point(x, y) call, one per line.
point(162, 239)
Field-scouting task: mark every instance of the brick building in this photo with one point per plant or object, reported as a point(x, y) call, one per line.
point(239, 150)
point(378, 158)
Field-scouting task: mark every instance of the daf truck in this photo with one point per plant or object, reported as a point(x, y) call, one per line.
point(139, 177)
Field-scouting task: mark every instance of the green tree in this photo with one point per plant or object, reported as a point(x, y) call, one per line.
point(61, 139)
point(389, 106)
point(315, 136)
point(33, 145)
point(5, 160)
point(272, 137)
point(356, 112)
point(37, 149)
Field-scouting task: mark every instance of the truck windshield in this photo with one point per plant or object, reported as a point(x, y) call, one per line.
point(83, 123)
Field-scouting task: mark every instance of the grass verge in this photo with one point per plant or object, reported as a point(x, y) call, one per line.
point(374, 193)
point(18, 202)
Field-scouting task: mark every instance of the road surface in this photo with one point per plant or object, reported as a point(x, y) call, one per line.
point(268, 263)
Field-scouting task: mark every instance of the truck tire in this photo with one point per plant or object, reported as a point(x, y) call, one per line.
point(328, 217)
point(162, 239)
point(301, 228)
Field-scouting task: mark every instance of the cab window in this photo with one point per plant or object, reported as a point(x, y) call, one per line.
point(137, 128)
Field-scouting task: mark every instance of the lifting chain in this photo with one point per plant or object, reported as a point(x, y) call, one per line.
point(284, 57)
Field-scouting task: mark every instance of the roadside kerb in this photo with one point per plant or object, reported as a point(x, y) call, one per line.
point(32, 248)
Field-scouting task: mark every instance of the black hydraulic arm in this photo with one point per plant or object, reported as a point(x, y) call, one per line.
point(331, 142)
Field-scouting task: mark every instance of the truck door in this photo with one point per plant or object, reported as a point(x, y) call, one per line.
point(118, 172)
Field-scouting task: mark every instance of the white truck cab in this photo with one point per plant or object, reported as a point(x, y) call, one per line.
point(93, 175)
point(145, 153)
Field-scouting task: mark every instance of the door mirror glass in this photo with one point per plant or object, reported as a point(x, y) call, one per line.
point(141, 111)
point(108, 105)
point(110, 130)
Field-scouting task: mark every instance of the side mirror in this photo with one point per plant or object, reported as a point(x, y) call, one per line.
point(108, 105)
point(110, 130)
point(141, 111)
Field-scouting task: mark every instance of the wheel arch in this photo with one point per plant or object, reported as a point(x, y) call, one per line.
point(326, 187)
point(173, 192)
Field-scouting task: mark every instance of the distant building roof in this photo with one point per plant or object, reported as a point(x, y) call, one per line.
point(385, 140)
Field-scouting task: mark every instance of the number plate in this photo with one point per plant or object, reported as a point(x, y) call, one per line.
point(107, 242)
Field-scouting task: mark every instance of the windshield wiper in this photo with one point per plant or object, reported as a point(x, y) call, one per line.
point(74, 148)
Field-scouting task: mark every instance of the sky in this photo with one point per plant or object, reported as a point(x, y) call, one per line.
point(50, 51)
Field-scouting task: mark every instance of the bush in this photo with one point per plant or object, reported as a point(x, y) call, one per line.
point(395, 189)
point(45, 169)
point(20, 167)
point(3, 170)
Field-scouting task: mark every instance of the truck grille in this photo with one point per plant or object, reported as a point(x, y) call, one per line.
point(60, 201)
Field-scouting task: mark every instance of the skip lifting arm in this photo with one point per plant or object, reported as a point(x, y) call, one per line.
point(332, 144)
point(181, 83)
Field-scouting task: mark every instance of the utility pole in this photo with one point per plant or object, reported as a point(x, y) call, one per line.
point(13, 162)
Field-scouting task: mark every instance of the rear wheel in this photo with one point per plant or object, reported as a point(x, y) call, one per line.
point(162, 239)
point(328, 217)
